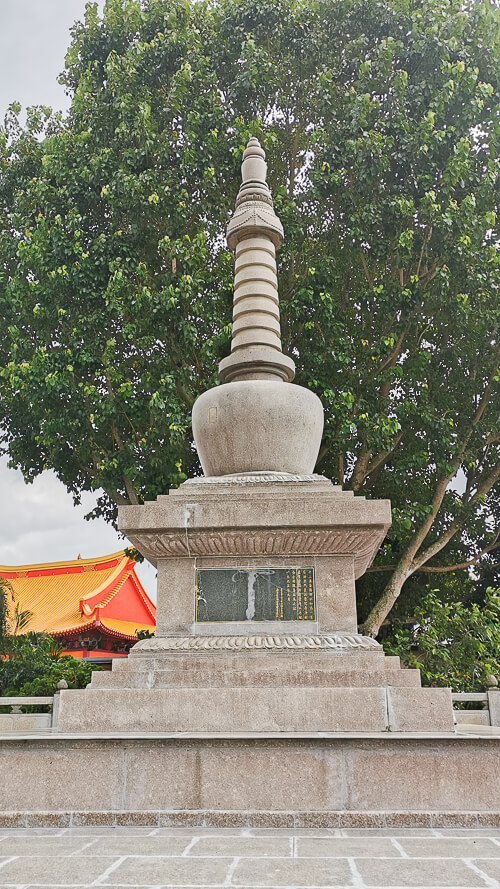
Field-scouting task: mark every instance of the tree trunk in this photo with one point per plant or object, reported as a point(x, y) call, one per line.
point(379, 612)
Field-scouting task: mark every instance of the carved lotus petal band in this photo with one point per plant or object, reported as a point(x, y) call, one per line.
point(338, 641)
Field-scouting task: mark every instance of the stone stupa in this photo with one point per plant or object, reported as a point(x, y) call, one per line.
point(257, 561)
point(257, 703)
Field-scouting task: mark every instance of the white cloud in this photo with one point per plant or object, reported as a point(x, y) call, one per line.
point(34, 38)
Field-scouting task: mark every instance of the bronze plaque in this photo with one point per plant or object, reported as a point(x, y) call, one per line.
point(255, 594)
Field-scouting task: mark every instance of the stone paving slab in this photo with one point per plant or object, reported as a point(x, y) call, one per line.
point(293, 872)
point(243, 847)
point(449, 847)
point(418, 872)
point(55, 868)
point(490, 867)
point(138, 845)
point(135, 871)
point(44, 845)
point(345, 847)
point(249, 858)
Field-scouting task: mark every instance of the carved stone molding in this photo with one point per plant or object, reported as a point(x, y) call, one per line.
point(251, 478)
point(274, 542)
point(253, 218)
point(338, 641)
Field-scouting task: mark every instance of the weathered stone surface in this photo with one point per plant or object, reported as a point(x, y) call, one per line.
point(257, 425)
point(176, 602)
point(472, 717)
point(268, 638)
point(189, 780)
point(228, 710)
point(390, 872)
point(416, 775)
point(49, 870)
point(281, 521)
point(299, 658)
point(295, 872)
point(222, 675)
point(409, 710)
point(335, 576)
point(61, 789)
point(277, 707)
point(494, 706)
point(24, 722)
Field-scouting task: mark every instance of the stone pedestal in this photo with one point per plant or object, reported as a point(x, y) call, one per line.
point(263, 521)
point(257, 628)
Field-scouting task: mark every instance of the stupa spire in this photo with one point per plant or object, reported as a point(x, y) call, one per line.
point(257, 420)
point(255, 233)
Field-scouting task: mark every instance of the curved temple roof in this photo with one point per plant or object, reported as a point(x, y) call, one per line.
point(74, 596)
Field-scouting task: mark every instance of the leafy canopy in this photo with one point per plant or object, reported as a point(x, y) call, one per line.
point(380, 123)
point(34, 666)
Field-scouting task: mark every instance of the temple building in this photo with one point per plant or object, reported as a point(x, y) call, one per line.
point(93, 607)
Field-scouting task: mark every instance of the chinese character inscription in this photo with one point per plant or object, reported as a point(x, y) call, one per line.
point(255, 594)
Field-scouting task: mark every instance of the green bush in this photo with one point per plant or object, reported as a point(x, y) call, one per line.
point(452, 643)
point(33, 665)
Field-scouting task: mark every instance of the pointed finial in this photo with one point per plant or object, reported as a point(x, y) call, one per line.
point(254, 195)
point(254, 174)
point(255, 233)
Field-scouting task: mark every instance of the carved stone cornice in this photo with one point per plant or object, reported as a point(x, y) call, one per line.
point(189, 543)
point(268, 643)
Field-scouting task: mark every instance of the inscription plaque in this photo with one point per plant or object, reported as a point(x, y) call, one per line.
point(255, 594)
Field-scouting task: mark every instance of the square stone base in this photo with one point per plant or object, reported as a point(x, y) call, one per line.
point(329, 782)
point(307, 688)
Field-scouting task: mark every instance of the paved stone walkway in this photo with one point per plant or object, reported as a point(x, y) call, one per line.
point(265, 858)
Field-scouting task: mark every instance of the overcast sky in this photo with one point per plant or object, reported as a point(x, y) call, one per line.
point(38, 522)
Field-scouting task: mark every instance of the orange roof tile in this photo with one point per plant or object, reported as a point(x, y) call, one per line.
point(124, 627)
point(72, 596)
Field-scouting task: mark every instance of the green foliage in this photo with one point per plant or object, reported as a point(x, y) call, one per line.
point(41, 676)
point(144, 634)
point(33, 665)
point(6, 597)
point(380, 123)
point(452, 644)
point(13, 619)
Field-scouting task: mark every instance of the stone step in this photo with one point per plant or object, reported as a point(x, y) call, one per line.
point(235, 710)
point(213, 677)
point(254, 660)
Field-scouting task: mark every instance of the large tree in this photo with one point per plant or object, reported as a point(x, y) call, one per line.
point(380, 122)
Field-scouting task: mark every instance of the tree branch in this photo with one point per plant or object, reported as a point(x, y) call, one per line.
point(442, 569)
point(425, 241)
point(458, 524)
point(359, 472)
point(382, 458)
point(370, 278)
point(390, 360)
point(129, 487)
